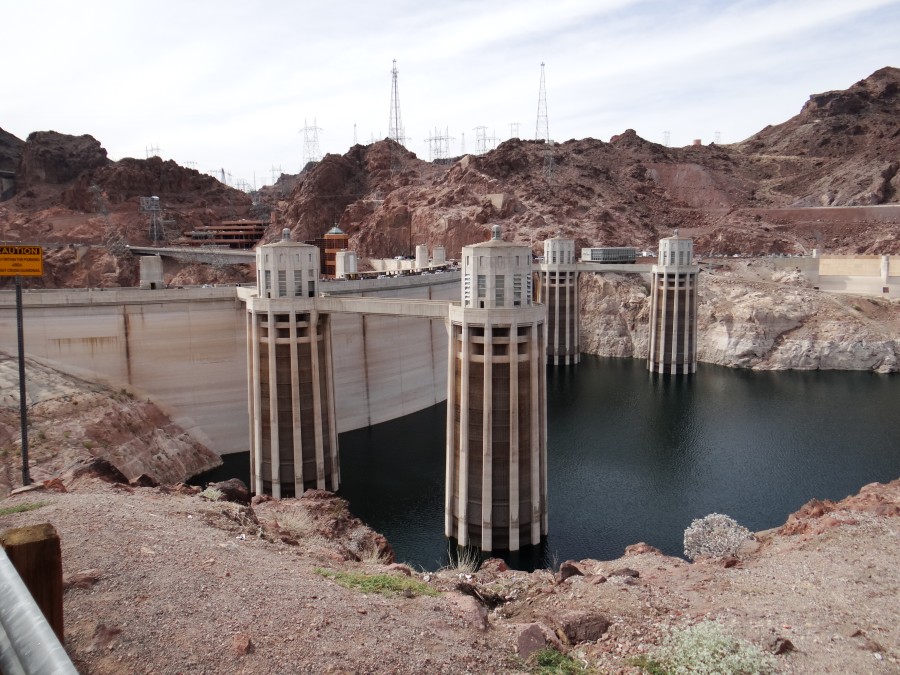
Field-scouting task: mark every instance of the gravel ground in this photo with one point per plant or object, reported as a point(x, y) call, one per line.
point(165, 581)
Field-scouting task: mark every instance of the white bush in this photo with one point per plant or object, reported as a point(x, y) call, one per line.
point(706, 649)
point(715, 535)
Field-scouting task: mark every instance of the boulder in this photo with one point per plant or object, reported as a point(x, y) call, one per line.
point(582, 626)
point(566, 570)
point(233, 490)
point(535, 637)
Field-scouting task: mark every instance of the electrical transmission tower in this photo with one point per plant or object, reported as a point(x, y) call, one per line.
point(718, 137)
point(666, 136)
point(542, 128)
point(395, 124)
point(151, 151)
point(151, 206)
point(513, 129)
point(276, 173)
point(483, 142)
point(112, 238)
point(439, 146)
point(311, 152)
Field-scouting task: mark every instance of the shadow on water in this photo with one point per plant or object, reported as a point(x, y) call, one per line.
point(636, 457)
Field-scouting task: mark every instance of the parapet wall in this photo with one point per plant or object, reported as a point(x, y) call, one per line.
point(873, 275)
point(186, 349)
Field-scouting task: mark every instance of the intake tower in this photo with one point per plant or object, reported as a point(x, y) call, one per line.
point(496, 482)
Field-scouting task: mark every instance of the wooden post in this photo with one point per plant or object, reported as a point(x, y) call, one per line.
point(35, 553)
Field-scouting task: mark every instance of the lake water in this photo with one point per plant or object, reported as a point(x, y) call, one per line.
point(635, 457)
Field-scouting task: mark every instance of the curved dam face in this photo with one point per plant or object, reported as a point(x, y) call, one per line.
point(186, 349)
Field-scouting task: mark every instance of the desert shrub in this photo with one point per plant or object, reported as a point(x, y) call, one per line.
point(706, 649)
point(382, 584)
point(363, 545)
point(715, 535)
point(212, 494)
point(548, 661)
point(297, 524)
point(464, 560)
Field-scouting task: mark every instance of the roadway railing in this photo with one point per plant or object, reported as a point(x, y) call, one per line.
point(28, 645)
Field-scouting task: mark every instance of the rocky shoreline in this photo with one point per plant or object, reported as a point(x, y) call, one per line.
point(750, 315)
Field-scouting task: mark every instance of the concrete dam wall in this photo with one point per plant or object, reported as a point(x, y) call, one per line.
point(186, 349)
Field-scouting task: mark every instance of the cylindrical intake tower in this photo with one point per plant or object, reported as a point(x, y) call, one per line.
point(496, 403)
point(673, 309)
point(293, 433)
point(558, 290)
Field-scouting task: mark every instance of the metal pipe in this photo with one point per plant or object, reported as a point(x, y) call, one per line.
point(23, 407)
point(29, 644)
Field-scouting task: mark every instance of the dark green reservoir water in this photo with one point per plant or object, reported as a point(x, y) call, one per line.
point(633, 457)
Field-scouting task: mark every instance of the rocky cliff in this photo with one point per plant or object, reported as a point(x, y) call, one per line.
point(750, 316)
point(841, 150)
point(49, 157)
point(10, 151)
point(77, 426)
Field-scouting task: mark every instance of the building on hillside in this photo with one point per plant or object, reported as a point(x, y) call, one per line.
point(609, 254)
point(237, 234)
point(329, 245)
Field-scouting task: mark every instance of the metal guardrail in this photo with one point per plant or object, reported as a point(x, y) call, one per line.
point(28, 645)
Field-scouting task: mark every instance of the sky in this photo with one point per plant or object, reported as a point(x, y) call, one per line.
point(230, 86)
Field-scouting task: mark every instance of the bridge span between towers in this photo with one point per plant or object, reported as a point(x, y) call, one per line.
point(423, 309)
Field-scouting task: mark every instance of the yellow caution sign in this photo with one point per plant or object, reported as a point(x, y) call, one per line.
point(21, 261)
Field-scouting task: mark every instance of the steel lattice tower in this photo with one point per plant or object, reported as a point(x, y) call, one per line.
point(395, 124)
point(311, 152)
point(542, 128)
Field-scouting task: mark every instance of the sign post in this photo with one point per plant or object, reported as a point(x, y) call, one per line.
point(22, 261)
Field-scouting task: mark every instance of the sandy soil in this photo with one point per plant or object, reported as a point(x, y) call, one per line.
point(169, 582)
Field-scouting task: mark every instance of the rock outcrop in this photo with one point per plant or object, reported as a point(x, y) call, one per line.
point(75, 424)
point(749, 320)
point(49, 157)
point(10, 151)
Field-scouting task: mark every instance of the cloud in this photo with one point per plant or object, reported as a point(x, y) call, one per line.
point(228, 84)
